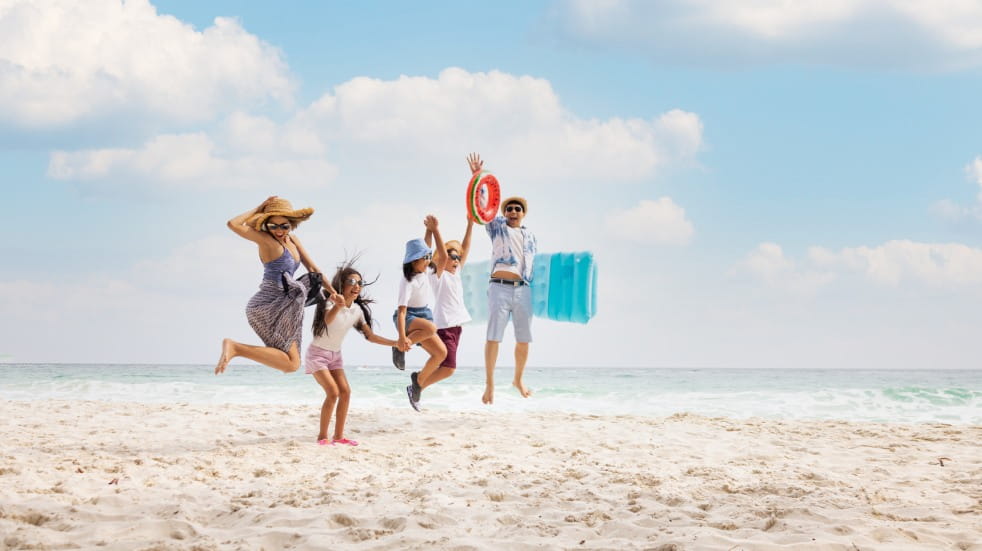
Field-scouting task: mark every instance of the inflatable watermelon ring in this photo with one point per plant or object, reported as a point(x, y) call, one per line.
point(483, 197)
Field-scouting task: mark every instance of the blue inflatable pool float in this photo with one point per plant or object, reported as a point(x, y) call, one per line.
point(564, 287)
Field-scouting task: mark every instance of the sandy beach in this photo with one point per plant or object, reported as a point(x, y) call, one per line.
point(144, 476)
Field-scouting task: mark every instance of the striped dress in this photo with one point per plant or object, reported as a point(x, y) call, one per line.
point(275, 312)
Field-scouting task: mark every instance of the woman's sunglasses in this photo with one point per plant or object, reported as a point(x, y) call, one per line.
point(353, 282)
point(272, 227)
point(454, 257)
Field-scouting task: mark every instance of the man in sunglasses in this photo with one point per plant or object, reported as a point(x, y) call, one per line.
point(513, 249)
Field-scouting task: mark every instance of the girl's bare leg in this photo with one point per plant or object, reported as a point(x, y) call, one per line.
point(287, 362)
point(331, 390)
point(419, 330)
point(344, 398)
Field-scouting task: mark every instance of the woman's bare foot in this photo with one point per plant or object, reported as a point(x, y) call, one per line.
point(227, 354)
point(522, 389)
point(488, 397)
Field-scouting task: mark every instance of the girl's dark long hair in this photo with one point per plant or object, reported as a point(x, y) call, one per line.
point(408, 272)
point(345, 270)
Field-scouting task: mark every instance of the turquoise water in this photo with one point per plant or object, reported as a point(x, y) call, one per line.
point(859, 395)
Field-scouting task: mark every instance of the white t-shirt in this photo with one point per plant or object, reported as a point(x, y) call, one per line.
point(345, 319)
point(415, 293)
point(448, 307)
point(517, 246)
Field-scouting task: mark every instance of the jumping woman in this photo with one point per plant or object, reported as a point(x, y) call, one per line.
point(275, 312)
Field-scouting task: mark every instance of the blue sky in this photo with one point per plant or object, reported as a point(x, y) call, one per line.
point(763, 184)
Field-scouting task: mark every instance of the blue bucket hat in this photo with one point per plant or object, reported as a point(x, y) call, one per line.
point(416, 249)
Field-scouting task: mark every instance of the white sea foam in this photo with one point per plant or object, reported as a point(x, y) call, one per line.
point(883, 396)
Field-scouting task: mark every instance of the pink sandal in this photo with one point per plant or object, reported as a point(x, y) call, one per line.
point(345, 441)
point(325, 442)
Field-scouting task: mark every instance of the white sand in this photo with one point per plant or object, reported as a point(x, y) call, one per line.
point(250, 477)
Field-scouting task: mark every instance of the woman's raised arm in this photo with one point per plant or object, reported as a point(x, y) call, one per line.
point(240, 226)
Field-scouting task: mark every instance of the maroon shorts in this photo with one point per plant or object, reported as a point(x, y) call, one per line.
point(450, 337)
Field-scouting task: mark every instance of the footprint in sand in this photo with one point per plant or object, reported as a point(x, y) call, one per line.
point(342, 519)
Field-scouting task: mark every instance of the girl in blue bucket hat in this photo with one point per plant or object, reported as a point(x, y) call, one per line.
point(413, 316)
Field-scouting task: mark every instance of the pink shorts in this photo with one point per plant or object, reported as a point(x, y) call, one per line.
point(319, 358)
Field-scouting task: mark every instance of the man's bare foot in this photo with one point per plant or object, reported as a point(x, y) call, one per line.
point(227, 354)
point(488, 397)
point(522, 389)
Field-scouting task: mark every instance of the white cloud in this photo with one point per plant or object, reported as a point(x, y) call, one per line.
point(937, 265)
point(919, 34)
point(933, 264)
point(949, 210)
point(769, 264)
point(519, 118)
point(262, 136)
point(412, 123)
point(954, 212)
point(660, 221)
point(680, 132)
point(974, 171)
point(63, 62)
point(252, 153)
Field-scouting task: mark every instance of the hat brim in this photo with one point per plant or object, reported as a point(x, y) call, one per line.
point(416, 256)
point(295, 216)
point(519, 200)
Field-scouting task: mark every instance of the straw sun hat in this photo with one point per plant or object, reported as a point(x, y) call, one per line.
point(519, 200)
point(453, 245)
point(280, 207)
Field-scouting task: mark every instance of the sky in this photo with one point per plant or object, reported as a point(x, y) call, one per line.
point(762, 184)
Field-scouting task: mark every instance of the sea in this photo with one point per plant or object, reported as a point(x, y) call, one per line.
point(890, 396)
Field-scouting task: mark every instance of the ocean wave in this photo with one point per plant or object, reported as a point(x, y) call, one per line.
point(785, 394)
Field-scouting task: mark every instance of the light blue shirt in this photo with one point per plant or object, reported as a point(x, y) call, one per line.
point(501, 250)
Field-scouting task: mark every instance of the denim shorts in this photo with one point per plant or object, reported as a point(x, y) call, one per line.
point(413, 312)
point(509, 302)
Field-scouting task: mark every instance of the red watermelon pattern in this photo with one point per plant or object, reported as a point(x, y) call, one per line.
point(483, 197)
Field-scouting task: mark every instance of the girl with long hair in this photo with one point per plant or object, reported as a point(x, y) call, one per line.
point(332, 320)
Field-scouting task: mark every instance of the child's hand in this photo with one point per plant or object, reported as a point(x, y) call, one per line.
point(404, 344)
point(430, 222)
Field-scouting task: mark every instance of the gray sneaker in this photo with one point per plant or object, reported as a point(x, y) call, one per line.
point(414, 403)
point(417, 390)
point(398, 358)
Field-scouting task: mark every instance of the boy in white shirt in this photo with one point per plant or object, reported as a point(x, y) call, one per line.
point(449, 311)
